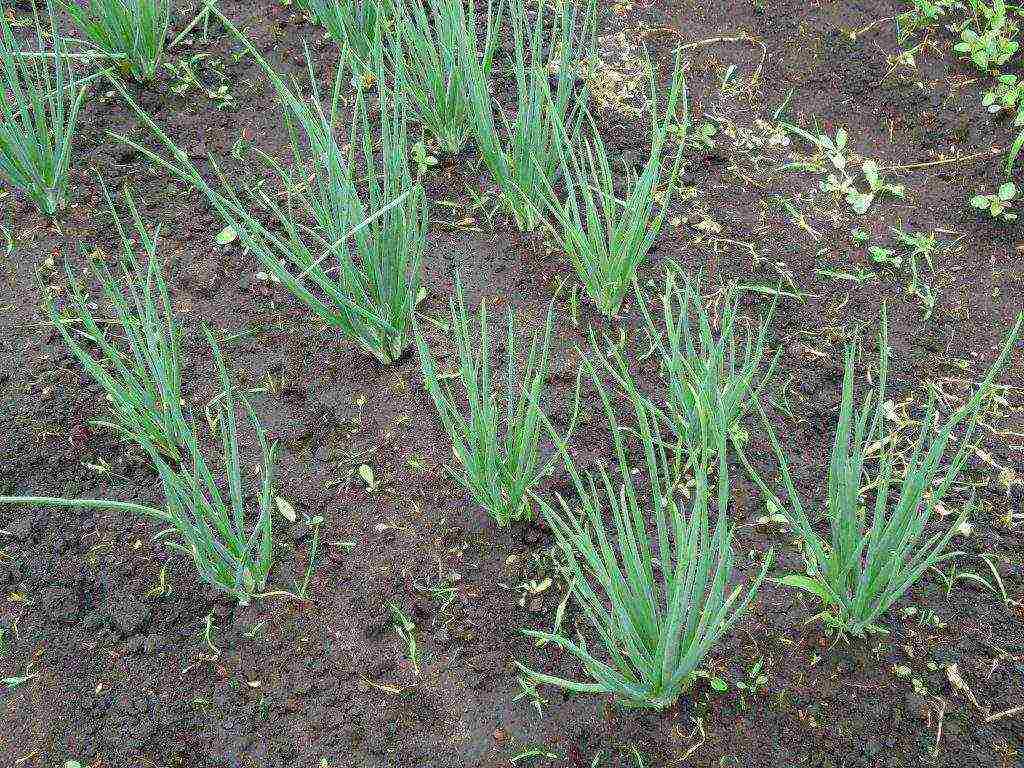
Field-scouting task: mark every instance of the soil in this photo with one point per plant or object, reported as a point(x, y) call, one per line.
point(128, 660)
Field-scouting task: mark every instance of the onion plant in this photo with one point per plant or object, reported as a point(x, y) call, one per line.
point(522, 154)
point(132, 32)
point(656, 594)
point(495, 439)
point(231, 549)
point(368, 284)
point(433, 38)
point(607, 220)
point(867, 561)
point(354, 261)
point(138, 338)
point(707, 368)
point(39, 104)
point(356, 24)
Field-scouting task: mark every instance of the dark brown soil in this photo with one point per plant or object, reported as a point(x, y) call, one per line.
point(119, 675)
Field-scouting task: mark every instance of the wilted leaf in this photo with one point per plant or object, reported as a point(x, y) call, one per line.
point(285, 508)
point(227, 236)
point(367, 476)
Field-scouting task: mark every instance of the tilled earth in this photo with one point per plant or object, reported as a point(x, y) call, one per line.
point(117, 656)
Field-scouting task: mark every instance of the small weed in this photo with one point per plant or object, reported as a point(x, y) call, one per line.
point(754, 683)
point(993, 42)
point(1007, 95)
point(16, 682)
point(315, 524)
point(715, 683)
point(840, 179)
point(422, 158)
point(202, 72)
point(406, 630)
point(882, 256)
point(528, 690)
point(702, 136)
point(918, 246)
point(923, 14)
point(999, 205)
point(533, 754)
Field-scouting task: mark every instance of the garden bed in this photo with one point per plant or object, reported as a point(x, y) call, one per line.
point(117, 655)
